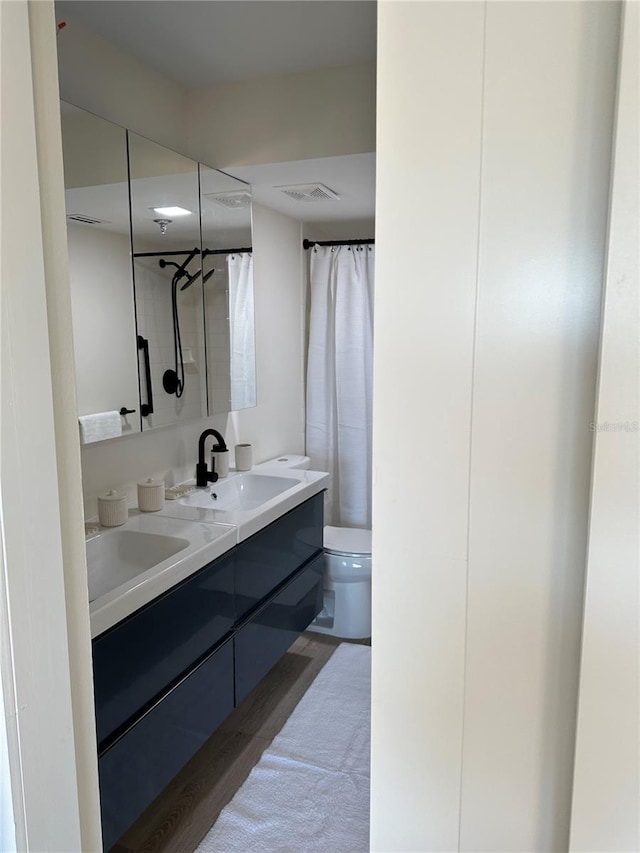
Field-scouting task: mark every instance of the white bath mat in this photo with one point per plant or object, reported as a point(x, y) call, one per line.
point(310, 790)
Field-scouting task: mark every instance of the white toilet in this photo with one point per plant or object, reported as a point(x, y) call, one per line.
point(347, 584)
point(347, 575)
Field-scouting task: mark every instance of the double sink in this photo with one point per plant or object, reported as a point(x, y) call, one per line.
point(129, 566)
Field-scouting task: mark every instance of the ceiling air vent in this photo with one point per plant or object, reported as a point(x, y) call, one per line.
point(233, 200)
point(309, 192)
point(87, 220)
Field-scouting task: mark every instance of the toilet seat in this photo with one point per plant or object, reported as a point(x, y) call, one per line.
point(347, 541)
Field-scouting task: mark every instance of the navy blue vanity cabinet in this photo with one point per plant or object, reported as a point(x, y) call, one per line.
point(262, 640)
point(169, 674)
point(269, 557)
point(142, 656)
point(136, 768)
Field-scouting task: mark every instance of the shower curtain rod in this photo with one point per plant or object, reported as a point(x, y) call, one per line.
point(227, 251)
point(309, 244)
point(205, 252)
point(164, 254)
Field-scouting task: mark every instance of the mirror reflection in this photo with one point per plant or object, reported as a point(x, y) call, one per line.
point(165, 228)
point(161, 267)
point(97, 208)
point(228, 291)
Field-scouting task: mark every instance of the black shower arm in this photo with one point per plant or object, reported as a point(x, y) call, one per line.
point(181, 269)
point(192, 254)
point(162, 264)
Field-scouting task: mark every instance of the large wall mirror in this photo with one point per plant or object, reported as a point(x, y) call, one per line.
point(165, 228)
point(228, 290)
point(99, 238)
point(161, 277)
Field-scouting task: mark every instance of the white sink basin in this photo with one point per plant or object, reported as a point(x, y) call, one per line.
point(129, 566)
point(241, 493)
point(249, 501)
point(118, 555)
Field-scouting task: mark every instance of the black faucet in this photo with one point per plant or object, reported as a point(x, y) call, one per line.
point(203, 475)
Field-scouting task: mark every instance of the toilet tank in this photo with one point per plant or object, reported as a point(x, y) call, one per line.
point(286, 460)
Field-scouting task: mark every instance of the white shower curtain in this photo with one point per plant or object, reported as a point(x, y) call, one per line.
point(242, 343)
point(339, 379)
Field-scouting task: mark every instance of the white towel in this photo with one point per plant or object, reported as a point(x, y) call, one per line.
point(100, 426)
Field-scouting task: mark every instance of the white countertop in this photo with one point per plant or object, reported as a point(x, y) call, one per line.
point(198, 535)
point(206, 542)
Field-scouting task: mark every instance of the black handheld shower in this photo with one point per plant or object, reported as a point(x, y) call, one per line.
point(173, 380)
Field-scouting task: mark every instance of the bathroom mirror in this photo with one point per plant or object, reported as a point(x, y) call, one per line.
point(165, 229)
point(228, 291)
point(161, 267)
point(97, 209)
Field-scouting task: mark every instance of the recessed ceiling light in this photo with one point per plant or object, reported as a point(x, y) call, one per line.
point(172, 211)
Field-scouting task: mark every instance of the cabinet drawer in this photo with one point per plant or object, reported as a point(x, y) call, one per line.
point(269, 557)
point(262, 641)
point(144, 760)
point(139, 658)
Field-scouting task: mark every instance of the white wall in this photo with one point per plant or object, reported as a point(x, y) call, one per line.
point(350, 229)
point(274, 426)
point(46, 667)
point(98, 77)
point(548, 114)
point(426, 246)
point(606, 795)
point(270, 119)
point(274, 119)
point(490, 355)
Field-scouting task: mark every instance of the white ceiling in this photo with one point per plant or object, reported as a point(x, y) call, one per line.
point(202, 42)
point(352, 177)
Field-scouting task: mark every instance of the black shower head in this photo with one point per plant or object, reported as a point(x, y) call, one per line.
point(195, 277)
point(191, 280)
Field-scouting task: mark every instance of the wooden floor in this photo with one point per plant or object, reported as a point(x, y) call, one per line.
point(182, 815)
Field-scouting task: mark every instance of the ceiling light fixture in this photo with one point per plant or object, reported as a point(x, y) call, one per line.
point(172, 211)
point(163, 225)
